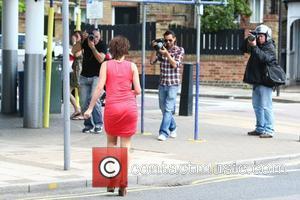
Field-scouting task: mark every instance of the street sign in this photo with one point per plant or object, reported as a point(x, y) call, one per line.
point(94, 9)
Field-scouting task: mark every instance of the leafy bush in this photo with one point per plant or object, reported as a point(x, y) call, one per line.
point(219, 17)
point(21, 6)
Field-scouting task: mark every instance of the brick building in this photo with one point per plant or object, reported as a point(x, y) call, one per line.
point(215, 69)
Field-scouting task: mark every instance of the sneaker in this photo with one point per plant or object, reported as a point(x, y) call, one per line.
point(98, 130)
point(266, 135)
point(161, 137)
point(87, 130)
point(255, 133)
point(173, 134)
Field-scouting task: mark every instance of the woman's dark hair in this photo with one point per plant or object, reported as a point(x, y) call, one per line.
point(119, 46)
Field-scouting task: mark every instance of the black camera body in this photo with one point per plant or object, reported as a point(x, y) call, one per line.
point(91, 37)
point(160, 43)
point(252, 36)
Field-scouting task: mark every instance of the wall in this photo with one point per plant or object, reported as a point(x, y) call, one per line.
point(165, 14)
point(215, 70)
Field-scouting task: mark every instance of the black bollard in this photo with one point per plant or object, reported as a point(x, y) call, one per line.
point(186, 95)
point(21, 92)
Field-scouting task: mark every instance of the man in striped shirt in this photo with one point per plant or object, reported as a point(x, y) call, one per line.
point(170, 57)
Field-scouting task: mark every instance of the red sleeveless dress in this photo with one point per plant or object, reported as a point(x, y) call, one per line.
point(120, 112)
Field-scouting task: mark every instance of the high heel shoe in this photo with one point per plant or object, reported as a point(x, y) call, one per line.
point(122, 191)
point(111, 189)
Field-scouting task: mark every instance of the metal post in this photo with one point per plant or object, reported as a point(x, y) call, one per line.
point(279, 42)
point(143, 65)
point(33, 73)
point(199, 8)
point(9, 56)
point(78, 27)
point(66, 68)
point(96, 23)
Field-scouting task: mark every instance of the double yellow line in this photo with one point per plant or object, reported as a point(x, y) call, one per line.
point(216, 179)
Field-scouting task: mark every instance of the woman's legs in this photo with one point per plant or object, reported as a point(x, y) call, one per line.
point(125, 143)
point(73, 101)
point(111, 140)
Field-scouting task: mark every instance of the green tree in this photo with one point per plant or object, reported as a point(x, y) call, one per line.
point(21, 6)
point(219, 17)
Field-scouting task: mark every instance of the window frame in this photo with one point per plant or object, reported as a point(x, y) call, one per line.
point(254, 11)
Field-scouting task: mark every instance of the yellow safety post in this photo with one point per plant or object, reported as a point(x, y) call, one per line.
point(78, 18)
point(78, 27)
point(77, 97)
point(48, 67)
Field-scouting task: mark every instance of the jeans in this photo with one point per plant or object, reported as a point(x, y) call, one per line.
point(87, 88)
point(262, 105)
point(167, 104)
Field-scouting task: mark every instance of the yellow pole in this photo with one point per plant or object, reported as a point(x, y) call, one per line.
point(78, 18)
point(77, 97)
point(78, 27)
point(48, 68)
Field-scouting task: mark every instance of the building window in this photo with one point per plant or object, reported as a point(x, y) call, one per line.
point(126, 15)
point(257, 7)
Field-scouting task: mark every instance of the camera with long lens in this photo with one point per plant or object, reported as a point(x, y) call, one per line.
point(160, 43)
point(251, 37)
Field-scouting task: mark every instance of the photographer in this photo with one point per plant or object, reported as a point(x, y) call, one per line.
point(94, 50)
point(261, 47)
point(170, 57)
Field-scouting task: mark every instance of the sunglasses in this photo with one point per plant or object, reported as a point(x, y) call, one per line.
point(169, 40)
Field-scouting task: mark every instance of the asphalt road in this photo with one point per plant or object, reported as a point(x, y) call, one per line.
point(281, 186)
point(221, 118)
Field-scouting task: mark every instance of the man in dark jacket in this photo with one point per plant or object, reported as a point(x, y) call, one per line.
point(94, 50)
point(262, 52)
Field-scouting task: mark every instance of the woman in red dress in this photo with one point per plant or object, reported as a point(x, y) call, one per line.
point(120, 114)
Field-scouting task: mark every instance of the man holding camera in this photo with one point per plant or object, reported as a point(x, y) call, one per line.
point(94, 50)
point(261, 47)
point(170, 57)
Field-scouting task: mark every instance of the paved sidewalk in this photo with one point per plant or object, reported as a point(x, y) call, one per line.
point(287, 95)
point(32, 159)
